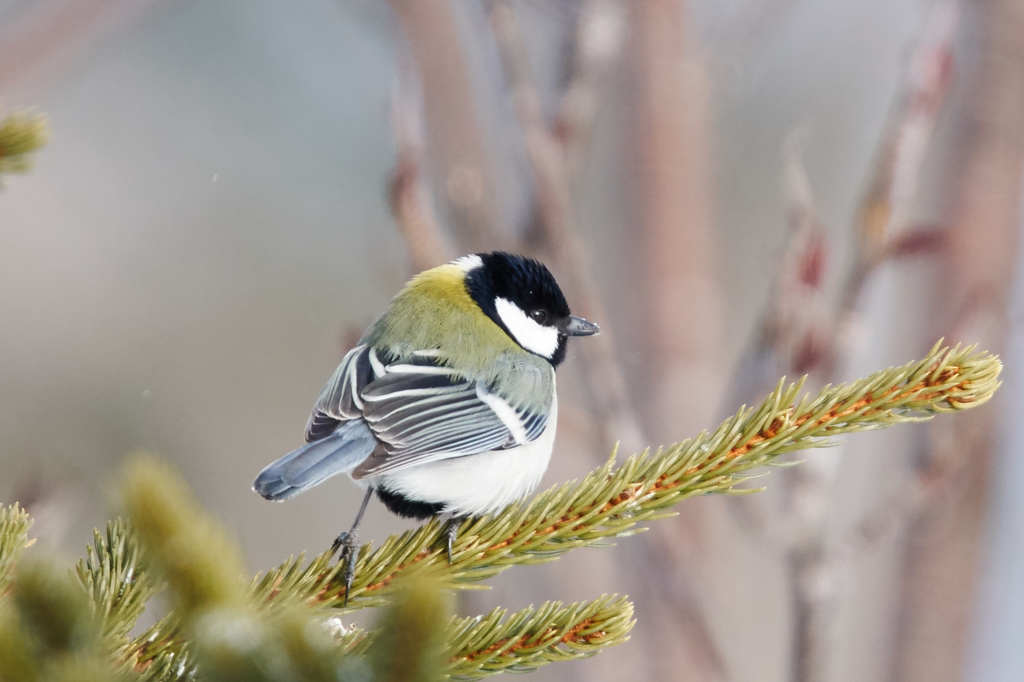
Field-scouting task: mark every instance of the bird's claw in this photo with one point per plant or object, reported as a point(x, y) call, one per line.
point(348, 542)
point(451, 531)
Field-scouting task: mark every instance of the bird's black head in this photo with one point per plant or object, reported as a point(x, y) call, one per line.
point(522, 297)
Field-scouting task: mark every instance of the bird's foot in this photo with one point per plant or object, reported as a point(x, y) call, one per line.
point(348, 542)
point(451, 532)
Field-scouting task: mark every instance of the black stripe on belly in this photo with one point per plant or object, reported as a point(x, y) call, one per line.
point(410, 509)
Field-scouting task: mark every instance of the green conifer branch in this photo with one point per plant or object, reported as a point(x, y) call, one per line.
point(14, 525)
point(528, 639)
point(229, 634)
point(480, 646)
point(194, 554)
point(161, 652)
point(170, 665)
point(49, 632)
point(410, 642)
point(415, 624)
point(116, 581)
point(200, 563)
point(20, 135)
point(612, 501)
point(17, 660)
point(278, 626)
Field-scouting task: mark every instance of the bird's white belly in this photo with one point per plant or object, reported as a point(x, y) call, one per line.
point(478, 484)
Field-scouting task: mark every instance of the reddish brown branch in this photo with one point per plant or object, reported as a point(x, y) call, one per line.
point(408, 193)
point(979, 265)
point(457, 145)
point(561, 238)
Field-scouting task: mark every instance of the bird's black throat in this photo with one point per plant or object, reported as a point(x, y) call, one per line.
point(407, 508)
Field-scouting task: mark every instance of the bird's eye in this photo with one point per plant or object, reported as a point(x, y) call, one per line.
point(539, 316)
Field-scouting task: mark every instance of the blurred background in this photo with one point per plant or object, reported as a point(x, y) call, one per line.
point(735, 190)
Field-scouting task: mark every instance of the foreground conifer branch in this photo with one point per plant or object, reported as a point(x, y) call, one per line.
point(113, 578)
point(285, 623)
point(20, 135)
point(14, 525)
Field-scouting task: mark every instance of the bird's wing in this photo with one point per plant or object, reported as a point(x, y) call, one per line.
point(339, 400)
point(423, 411)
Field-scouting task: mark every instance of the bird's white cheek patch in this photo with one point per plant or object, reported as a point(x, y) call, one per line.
point(530, 335)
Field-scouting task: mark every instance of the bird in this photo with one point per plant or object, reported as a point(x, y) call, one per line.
point(447, 405)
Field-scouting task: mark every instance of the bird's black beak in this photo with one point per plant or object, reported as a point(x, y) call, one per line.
point(577, 326)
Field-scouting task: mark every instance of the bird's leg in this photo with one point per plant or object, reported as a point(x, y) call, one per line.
point(348, 542)
point(451, 531)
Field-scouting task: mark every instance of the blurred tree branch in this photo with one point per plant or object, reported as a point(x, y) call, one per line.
point(466, 182)
point(559, 232)
point(672, 225)
point(548, 149)
point(408, 191)
point(596, 43)
point(978, 267)
point(36, 34)
point(679, 311)
point(798, 333)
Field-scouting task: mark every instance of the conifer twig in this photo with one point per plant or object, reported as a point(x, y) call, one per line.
point(20, 135)
point(536, 636)
point(496, 642)
point(14, 525)
point(114, 578)
point(413, 628)
point(48, 633)
point(611, 501)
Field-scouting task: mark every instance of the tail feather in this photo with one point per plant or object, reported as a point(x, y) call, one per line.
point(315, 462)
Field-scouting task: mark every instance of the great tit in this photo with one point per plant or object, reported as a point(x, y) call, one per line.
point(446, 406)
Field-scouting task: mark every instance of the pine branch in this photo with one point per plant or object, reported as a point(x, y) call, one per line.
point(14, 525)
point(196, 556)
point(170, 665)
point(161, 653)
point(412, 628)
point(282, 625)
point(116, 581)
point(612, 501)
point(480, 646)
point(49, 632)
point(217, 626)
point(203, 569)
point(415, 625)
point(20, 135)
point(537, 636)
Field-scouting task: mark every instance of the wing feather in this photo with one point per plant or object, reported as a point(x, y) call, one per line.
point(433, 414)
point(419, 409)
point(340, 400)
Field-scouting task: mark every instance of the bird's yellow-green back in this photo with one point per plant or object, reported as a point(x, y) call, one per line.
point(434, 311)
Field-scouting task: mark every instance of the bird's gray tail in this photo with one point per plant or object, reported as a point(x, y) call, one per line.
point(315, 462)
